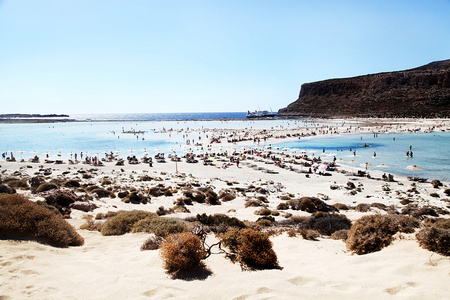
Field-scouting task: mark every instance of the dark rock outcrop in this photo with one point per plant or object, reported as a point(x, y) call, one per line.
point(419, 92)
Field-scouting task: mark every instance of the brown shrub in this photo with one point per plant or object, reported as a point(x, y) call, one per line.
point(340, 235)
point(253, 248)
point(309, 234)
point(71, 184)
point(102, 193)
point(362, 207)
point(161, 226)
point(83, 206)
point(5, 189)
point(340, 206)
point(282, 206)
point(22, 218)
point(19, 184)
point(327, 224)
point(435, 239)
point(91, 225)
point(152, 243)
point(369, 234)
point(46, 187)
point(310, 204)
point(182, 252)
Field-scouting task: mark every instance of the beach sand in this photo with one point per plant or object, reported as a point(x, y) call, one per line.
point(114, 267)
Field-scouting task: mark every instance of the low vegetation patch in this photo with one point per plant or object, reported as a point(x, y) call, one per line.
point(182, 252)
point(373, 233)
point(22, 218)
point(124, 222)
point(435, 239)
point(253, 248)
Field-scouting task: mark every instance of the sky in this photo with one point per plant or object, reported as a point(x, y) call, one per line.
point(159, 56)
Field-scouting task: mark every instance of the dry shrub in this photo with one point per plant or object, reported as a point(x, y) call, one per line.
point(124, 222)
point(447, 192)
point(253, 248)
point(263, 212)
point(91, 225)
point(71, 184)
point(109, 214)
point(61, 199)
point(152, 243)
point(310, 204)
point(253, 203)
point(340, 235)
point(309, 234)
point(212, 198)
point(5, 189)
point(340, 206)
point(380, 206)
point(46, 187)
point(102, 193)
point(83, 206)
point(405, 224)
point(327, 224)
point(369, 234)
point(220, 219)
point(19, 184)
point(435, 239)
point(282, 206)
point(362, 207)
point(442, 223)
point(182, 252)
point(436, 183)
point(161, 226)
point(22, 218)
point(136, 198)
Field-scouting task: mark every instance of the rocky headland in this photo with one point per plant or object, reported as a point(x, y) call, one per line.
point(418, 92)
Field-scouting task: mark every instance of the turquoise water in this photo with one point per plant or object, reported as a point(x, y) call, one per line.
point(430, 151)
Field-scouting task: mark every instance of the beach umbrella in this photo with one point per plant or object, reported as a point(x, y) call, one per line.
point(365, 165)
point(382, 166)
point(157, 150)
point(285, 149)
point(340, 160)
point(353, 162)
point(414, 168)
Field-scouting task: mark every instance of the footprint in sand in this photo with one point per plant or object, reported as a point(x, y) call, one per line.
point(396, 289)
point(299, 280)
point(6, 264)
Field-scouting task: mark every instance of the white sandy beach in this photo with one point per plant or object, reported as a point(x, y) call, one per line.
point(113, 267)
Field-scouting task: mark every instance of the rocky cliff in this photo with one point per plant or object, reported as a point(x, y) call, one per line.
point(419, 92)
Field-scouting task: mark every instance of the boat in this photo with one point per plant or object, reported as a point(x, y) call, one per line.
point(260, 114)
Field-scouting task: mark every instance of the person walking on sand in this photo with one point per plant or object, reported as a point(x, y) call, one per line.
point(237, 162)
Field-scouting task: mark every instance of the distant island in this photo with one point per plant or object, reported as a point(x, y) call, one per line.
point(34, 118)
point(5, 116)
point(420, 92)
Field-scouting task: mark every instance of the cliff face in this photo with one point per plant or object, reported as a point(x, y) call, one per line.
point(419, 92)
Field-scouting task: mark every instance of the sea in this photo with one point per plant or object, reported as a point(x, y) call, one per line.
point(104, 133)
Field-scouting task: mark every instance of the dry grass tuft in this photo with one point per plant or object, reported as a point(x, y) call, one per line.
point(435, 239)
point(124, 222)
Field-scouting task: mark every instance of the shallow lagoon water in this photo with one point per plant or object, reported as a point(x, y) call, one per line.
point(430, 150)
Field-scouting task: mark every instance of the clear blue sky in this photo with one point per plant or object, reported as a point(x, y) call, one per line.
point(112, 56)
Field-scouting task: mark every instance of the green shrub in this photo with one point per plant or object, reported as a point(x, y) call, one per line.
point(253, 248)
point(442, 223)
point(124, 222)
point(182, 252)
point(22, 218)
point(435, 239)
point(161, 226)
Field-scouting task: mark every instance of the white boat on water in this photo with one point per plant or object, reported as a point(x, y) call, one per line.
point(260, 114)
